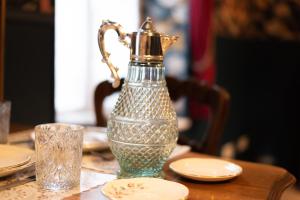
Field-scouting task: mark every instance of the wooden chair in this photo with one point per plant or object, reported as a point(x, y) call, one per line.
point(215, 97)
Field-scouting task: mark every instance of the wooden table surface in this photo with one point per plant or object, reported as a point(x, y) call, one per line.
point(258, 181)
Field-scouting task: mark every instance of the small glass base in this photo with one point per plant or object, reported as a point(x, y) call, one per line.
point(56, 186)
point(121, 174)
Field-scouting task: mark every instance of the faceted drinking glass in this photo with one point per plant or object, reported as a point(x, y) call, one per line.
point(58, 155)
point(4, 121)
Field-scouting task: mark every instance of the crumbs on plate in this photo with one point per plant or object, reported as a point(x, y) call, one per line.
point(124, 190)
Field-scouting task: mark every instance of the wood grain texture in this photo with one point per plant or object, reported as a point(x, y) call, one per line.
point(258, 181)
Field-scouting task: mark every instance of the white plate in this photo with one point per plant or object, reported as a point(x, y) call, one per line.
point(144, 189)
point(206, 169)
point(179, 150)
point(12, 151)
point(13, 170)
point(94, 138)
point(12, 156)
point(184, 123)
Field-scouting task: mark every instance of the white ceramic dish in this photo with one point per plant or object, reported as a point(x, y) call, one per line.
point(94, 139)
point(206, 169)
point(13, 170)
point(13, 159)
point(179, 150)
point(145, 189)
point(12, 156)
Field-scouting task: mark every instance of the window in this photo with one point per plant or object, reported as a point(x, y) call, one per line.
point(78, 66)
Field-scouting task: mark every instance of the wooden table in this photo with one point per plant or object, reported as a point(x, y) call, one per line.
point(258, 181)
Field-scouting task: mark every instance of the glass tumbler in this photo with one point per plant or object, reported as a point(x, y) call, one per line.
point(58, 155)
point(4, 121)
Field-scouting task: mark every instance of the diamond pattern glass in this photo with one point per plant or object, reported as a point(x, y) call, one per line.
point(142, 128)
point(58, 155)
point(4, 121)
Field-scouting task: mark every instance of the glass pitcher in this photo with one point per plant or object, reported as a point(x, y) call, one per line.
point(142, 128)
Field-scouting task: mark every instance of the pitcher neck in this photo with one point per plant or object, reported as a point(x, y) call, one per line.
point(146, 73)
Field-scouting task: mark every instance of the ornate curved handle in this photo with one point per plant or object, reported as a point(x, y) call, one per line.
point(107, 25)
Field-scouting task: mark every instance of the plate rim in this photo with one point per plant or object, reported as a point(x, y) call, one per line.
point(26, 154)
point(19, 168)
point(206, 177)
point(24, 162)
point(110, 182)
point(12, 170)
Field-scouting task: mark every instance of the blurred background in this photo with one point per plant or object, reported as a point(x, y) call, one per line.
point(251, 48)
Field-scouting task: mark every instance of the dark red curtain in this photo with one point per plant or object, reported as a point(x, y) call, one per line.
point(201, 35)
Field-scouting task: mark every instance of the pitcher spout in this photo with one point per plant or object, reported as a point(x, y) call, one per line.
point(167, 41)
